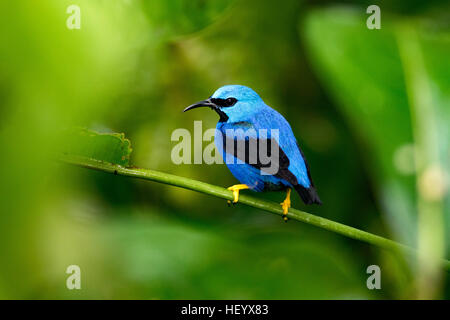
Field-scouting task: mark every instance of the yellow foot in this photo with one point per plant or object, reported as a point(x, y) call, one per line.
point(235, 190)
point(286, 204)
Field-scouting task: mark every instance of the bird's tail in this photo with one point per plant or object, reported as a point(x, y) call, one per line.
point(308, 195)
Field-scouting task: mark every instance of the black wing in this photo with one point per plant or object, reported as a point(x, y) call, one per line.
point(248, 151)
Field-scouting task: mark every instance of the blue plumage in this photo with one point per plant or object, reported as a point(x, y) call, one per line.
point(246, 124)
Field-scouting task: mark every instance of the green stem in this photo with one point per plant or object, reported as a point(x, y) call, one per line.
point(223, 193)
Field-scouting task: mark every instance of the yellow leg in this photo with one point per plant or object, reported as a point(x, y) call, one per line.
point(286, 204)
point(235, 190)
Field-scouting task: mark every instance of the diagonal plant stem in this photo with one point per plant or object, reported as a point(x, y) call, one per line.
point(223, 193)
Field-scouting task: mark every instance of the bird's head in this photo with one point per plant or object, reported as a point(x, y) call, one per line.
point(233, 103)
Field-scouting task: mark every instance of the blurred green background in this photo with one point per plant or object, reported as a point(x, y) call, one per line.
point(370, 108)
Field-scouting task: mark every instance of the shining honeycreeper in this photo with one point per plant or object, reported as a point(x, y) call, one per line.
point(249, 132)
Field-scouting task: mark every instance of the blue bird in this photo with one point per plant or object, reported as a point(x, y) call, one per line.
point(258, 145)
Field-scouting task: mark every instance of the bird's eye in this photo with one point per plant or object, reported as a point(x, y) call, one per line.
point(230, 101)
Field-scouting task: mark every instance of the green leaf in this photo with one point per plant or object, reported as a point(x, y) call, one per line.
point(348, 57)
point(392, 87)
point(109, 147)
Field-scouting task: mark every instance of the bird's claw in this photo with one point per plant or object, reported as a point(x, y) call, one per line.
point(236, 189)
point(286, 204)
point(230, 203)
point(235, 194)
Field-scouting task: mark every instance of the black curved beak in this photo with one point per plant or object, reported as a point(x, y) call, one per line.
point(204, 103)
